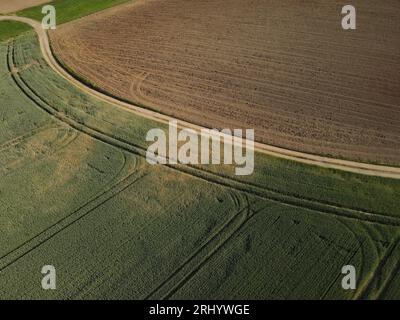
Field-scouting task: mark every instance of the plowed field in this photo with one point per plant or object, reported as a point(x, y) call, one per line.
point(285, 68)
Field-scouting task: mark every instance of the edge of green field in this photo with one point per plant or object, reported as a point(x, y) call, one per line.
point(11, 29)
point(293, 179)
point(69, 10)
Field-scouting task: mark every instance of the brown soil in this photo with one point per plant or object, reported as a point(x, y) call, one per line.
point(285, 68)
point(7, 6)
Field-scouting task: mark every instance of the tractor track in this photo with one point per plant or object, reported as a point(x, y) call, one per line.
point(373, 282)
point(61, 225)
point(241, 214)
point(249, 215)
point(268, 194)
point(143, 111)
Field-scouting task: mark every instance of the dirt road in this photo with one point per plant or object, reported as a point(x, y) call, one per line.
point(282, 67)
point(325, 162)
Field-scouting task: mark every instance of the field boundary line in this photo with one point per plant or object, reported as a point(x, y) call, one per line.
point(311, 159)
point(272, 195)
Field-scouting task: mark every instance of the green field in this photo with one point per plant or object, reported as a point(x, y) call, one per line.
point(10, 29)
point(68, 10)
point(77, 193)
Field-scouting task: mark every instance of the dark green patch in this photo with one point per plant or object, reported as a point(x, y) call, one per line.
point(11, 29)
point(68, 10)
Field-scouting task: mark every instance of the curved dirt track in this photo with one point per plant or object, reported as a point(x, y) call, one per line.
point(325, 162)
point(286, 69)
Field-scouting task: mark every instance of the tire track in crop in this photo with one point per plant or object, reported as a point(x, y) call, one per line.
point(360, 247)
point(31, 133)
point(395, 271)
point(239, 218)
point(364, 244)
point(67, 221)
point(250, 214)
point(294, 200)
point(374, 244)
point(269, 194)
point(137, 166)
point(368, 243)
point(238, 199)
point(37, 154)
point(373, 281)
point(109, 270)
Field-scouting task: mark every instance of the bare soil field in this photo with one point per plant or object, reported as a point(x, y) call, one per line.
point(285, 68)
point(8, 6)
